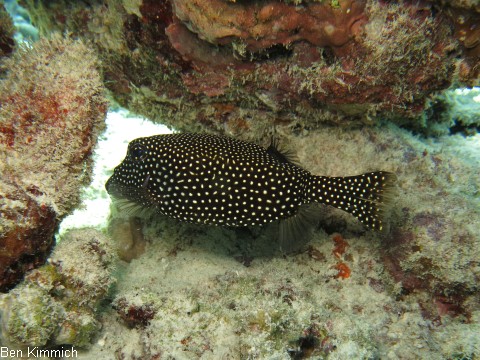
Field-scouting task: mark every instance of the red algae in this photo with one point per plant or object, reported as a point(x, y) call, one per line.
point(340, 245)
point(343, 271)
point(134, 315)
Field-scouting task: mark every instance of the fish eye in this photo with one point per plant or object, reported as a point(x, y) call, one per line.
point(137, 152)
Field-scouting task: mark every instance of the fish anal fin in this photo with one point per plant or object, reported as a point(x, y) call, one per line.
point(295, 231)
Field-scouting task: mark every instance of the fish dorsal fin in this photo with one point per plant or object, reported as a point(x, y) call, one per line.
point(282, 153)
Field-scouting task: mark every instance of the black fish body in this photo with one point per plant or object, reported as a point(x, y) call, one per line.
point(208, 179)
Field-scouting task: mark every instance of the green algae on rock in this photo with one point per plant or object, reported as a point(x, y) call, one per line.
point(59, 302)
point(29, 316)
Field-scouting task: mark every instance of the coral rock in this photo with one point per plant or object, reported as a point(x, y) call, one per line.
point(58, 302)
point(51, 111)
point(26, 233)
point(261, 25)
point(274, 62)
point(29, 316)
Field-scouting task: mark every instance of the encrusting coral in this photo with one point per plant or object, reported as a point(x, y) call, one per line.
point(239, 67)
point(58, 302)
point(52, 108)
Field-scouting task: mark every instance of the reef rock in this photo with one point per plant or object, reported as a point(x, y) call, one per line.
point(235, 66)
point(57, 303)
point(52, 109)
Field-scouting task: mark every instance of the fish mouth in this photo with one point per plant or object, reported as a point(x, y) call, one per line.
point(121, 191)
point(118, 189)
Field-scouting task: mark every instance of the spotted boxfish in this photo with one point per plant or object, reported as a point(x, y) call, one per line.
point(209, 179)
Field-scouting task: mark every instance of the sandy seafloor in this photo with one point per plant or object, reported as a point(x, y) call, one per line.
point(225, 294)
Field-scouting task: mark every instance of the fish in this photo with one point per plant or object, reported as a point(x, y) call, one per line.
point(217, 180)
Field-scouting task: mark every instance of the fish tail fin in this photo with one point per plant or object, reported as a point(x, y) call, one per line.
point(364, 196)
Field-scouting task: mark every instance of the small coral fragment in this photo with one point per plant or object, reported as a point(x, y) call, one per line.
point(343, 270)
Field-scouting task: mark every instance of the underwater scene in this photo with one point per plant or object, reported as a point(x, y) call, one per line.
point(239, 179)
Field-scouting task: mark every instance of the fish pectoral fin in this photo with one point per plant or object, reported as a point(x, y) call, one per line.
point(295, 231)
